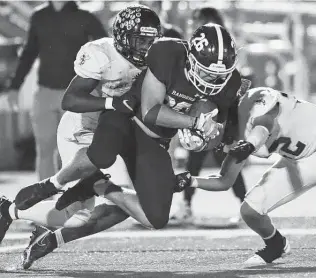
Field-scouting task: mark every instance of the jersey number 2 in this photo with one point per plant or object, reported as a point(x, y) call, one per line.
point(286, 141)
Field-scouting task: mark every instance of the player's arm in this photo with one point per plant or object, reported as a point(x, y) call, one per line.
point(215, 182)
point(222, 181)
point(88, 67)
point(234, 161)
point(153, 93)
point(78, 98)
point(236, 158)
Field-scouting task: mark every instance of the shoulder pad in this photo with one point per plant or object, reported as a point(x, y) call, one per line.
point(163, 55)
point(169, 45)
point(91, 60)
point(259, 101)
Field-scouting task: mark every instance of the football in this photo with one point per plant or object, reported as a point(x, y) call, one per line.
point(193, 140)
point(202, 106)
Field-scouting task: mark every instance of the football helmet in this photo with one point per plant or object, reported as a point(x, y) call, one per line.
point(212, 58)
point(134, 29)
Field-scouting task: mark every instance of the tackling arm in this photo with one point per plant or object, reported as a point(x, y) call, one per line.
point(222, 181)
point(78, 99)
point(153, 93)
point(234, 161)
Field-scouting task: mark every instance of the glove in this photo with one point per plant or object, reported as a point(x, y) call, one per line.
point(183, 180)
point(244, 87)
point(205, 124)
point(191, 140)
point(242, 150)
point(126, 104)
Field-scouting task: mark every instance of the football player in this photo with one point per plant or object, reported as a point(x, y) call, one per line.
point(269, 122)
point(195, 161)
point(153, 178)
point(185, 72)
point(105, 70)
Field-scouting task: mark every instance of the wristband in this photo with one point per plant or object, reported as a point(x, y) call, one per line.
point(194, 182)
point(108, 104)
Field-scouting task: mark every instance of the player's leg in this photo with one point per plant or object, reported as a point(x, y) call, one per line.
point(154, 178)
point(45, 241)
point(284, 181)
point(72, 145)
point(254, 212)
point(153, 182)
point(45, 213)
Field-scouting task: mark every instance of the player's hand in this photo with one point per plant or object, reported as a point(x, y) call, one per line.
point(126, 104)
point(192, 142)
point(13, 99)
point(244, 87)
point(183, 180)
point(206, 124)
point(242, 150)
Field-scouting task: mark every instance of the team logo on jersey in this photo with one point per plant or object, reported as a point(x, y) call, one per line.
point(83, 58)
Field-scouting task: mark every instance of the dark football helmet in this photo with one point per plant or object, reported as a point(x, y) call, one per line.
point(134, 29)
point(212, 58)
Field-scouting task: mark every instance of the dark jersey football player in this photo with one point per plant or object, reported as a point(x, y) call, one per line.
point(206, 69)
point(195, 161)
point(178, 74)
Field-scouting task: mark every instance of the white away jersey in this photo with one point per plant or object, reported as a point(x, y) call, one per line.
point(100, 60)
point(294, 131)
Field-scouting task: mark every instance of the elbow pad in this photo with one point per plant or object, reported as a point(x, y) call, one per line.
point(152, 115)
point(258, 136)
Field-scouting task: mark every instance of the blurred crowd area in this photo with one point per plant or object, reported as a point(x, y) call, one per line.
point(276, 42)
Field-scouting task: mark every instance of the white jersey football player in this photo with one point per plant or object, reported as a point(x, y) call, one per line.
point(269, 122)
point(105, 70)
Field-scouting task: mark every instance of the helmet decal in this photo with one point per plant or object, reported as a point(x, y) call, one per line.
point(211, 58)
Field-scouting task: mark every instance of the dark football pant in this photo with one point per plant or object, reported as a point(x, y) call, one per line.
point(194, 166)
point(148, 163)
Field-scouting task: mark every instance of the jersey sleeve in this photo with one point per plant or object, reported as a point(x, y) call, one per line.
point(90, 62)
point(260, 101)
point(254, 108)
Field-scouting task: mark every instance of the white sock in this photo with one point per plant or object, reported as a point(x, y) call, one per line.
point(55, 182)
point(59, 238)
point(271, 236)
point(13, 212)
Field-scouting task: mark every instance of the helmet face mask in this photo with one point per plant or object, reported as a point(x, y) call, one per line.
point(139, 45)
point(135, 29)
point(211, 59)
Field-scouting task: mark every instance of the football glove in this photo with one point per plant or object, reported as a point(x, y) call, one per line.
point(126, 104)
point(244, 87)
point(208, 127)
point(192, 140)
point(242, 150)
point(183, 180)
